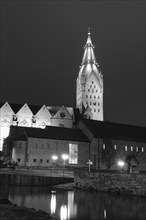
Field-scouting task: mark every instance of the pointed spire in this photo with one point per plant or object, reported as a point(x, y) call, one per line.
point(89, 42)
point(89, 56)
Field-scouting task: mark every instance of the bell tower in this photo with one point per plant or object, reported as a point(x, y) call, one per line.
point(89, 84)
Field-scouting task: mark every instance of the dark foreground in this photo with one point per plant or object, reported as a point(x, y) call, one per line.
point(8, 211)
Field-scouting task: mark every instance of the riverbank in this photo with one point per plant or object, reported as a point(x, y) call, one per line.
point(9, 211)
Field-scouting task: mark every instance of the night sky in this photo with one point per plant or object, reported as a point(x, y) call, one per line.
point(42, 44)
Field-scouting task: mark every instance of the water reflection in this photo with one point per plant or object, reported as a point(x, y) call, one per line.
point(69, 205)
point(53, 204)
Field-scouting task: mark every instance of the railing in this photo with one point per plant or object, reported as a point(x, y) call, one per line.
point(65, 173)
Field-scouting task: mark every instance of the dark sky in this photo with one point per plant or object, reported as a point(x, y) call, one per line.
point(42, 44)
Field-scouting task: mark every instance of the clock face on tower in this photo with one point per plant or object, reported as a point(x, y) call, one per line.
point(62, 115)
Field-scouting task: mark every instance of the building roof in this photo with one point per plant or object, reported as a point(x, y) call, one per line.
point(50, 132)
point(105, 129)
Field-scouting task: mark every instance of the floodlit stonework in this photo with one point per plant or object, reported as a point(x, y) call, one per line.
point(89, 85)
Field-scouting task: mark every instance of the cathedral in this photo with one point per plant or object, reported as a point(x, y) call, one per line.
point(46, 136)
point(89, 102)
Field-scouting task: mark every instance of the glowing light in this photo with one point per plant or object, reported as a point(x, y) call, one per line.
point(121, 164)
point(64, 156)
point(53, 204)
point(54, 157)
point(63, 212)
point(104, 213)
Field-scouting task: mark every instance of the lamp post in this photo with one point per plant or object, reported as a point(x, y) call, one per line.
point(121, 164)
point(54, 158)
point(64, 157)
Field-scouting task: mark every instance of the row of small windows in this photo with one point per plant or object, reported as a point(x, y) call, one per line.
point(95, 110)
point(92, 97)
point(34, 160)
point(127, 148)
point(92, 90)
point(94, 103)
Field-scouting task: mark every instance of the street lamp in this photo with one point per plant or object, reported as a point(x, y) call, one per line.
point(54, 157)
point(64, 157)
point(121, 164)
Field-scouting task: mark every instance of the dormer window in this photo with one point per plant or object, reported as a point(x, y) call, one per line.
point(33, 119)
point(14, 118)
point(62, 115)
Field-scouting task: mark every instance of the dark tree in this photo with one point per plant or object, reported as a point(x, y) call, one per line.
point(108, 153)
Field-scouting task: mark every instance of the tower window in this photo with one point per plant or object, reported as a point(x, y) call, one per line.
point(131, 148)
point(94, 97)
point(90, 103)
point(86, 96)
point(88, 90)
point(98, 110)
point(94, 103)
point(142, 149)
point(98, 97)
point(90, 96)
point(94, 110)
point(98, 104)
point(92, 82)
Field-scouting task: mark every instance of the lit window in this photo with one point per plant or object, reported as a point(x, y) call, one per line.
point(94, 86)
point(125, 148)
point(103, 146)
point(142, 149)
point(137, 149)
point(131, 148)
point(73, 153)
point(115, 147)
point(90, 97)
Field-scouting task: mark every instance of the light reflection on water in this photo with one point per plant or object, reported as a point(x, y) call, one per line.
point(79, 205)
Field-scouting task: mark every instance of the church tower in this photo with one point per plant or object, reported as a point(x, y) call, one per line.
point(89, 85)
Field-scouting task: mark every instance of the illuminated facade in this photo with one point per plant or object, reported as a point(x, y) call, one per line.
point(89, 85)
point(34, 116)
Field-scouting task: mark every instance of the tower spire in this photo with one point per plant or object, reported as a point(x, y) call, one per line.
point(88, 31)
point(89, 90)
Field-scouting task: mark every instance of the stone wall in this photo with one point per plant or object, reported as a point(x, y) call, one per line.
point(28, 180)
point(125, 183)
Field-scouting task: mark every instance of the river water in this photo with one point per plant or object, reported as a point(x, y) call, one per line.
point(79, 205)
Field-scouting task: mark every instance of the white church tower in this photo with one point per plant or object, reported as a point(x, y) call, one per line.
point(89, 85)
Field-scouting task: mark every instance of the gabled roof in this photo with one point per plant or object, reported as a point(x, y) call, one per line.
point(50, 132)
point(103, 129)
